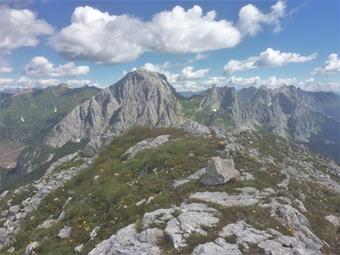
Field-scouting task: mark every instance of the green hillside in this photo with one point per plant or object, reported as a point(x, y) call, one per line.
point(24, 116)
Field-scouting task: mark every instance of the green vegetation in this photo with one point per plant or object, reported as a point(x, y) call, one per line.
point(110, 201)
point(106, 193)
point(24, 116)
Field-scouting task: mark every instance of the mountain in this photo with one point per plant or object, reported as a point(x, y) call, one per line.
point(140, 169)
point(307, 117)
point(145, 98)
point(141, 98)
point(26, 117)
point(144, 194)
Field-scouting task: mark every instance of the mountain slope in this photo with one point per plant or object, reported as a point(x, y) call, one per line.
point(270, 208)
point(141, 98)
point(27, 116)
point(307, 117)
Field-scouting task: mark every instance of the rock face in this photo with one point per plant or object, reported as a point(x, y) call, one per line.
point(145, 145)
point(287, 111)
point(141, 98)
point(219, 171)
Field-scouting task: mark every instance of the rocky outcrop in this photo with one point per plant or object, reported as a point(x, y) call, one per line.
point(269, 241)
point(248, 196)
point(218, 246)
point(11, 221)
point(219, 171)
point(127, 241)
point(147, 144)
point(292, 218)
point(194, 128)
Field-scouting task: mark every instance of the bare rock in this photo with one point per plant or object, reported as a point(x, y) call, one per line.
point(219, 171)
point(31, 247)
point(65, 232)
point(145, 145)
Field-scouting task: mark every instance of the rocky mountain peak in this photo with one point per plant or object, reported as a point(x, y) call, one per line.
point(141, 97)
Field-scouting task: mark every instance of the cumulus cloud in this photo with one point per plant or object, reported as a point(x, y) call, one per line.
point(267, 58)
point(275, 82)
point(251, 19)
point(331, 66)
point(42, 67)
point(104, 38)
point(188, 73)
point(187, 79)
point(26, 82)
point(19, 28)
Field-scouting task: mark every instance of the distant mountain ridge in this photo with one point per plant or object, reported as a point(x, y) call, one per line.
point(287, 111)
point(145, 98)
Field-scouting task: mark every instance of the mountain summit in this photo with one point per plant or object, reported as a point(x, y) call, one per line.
point(141, 98)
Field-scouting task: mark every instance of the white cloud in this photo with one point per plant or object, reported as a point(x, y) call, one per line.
point(200, 56)
point(42, 67)
point(26, 82)
point(187, 79)
point(275, 82)
point(331, 66)
point(104, 38)
point(4, 66)
point(267, 58)
point(251, 19)
point(19, 28)
point(188, 73)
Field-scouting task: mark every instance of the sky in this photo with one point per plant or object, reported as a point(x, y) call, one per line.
point(196, 44)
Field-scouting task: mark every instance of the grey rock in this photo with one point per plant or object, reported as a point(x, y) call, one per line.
point(194, 218)
point(151, 235)
point(31, 247)
point(219, 246)
point(141, 98)
point(79, 248)
point(247, 197)
point(334, 220)
point(94, 232)
point(246, 177)
point(145, 145)
point(65, 232)
point(193, 177)
point(195, 128)
point(125, 242)
point(47, 223)
point(219, 171)
point(159, 216)
point(244, 233)
point(14, 209)
point(292, 218)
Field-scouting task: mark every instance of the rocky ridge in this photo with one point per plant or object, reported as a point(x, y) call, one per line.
point(270, 213)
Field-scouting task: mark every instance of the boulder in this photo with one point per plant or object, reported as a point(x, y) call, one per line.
point(65, 232)
point(31, 247)
point(219, 171)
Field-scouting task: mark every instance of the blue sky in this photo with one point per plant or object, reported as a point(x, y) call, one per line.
point(295, 42)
